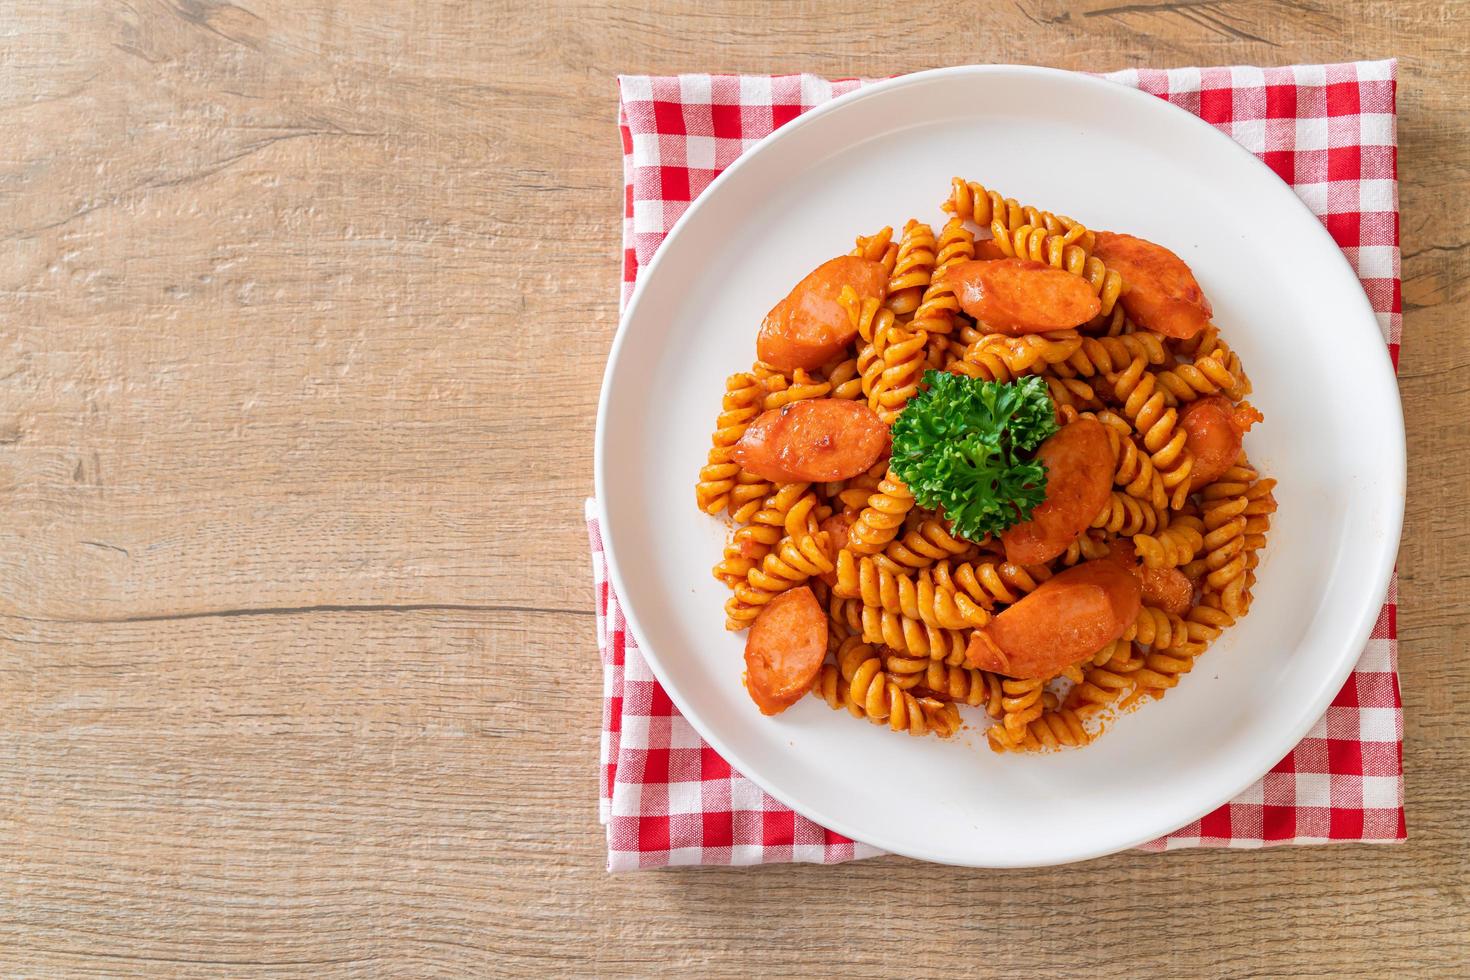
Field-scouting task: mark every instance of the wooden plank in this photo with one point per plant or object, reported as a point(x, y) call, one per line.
point(303, 310)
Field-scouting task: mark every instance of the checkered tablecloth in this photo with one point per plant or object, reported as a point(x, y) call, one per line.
point(1327, 130)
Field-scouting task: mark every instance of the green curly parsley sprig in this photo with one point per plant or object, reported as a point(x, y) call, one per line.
point(959, 446)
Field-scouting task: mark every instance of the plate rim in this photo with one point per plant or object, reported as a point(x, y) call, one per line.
point(1384, 558)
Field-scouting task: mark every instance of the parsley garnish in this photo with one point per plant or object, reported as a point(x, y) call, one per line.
point(959, 446)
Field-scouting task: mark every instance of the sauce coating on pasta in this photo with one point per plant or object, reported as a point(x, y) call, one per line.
point(1100, 589)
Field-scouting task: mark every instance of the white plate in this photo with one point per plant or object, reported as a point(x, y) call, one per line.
point(1114, 158)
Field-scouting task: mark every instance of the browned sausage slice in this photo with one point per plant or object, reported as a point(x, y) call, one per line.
point(1021, 296)
point(1215, 428)
point(1068, 617)
point(810, 327)
point(987, 248)
point(784, 650)
point(1166, 588)
point(1159, 291)
point(816, 440)
point(1079, 477)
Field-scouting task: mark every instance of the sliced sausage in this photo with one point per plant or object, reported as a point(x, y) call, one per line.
point(1166, 588)
point(988, 248)
point(785, 650)
point(1021, 296)
point(1079, 477)
point(811, 441)
point(1123, 552)
point(1159, 291)
point(810, 327)
point(1214, 429)
point(1069, 616)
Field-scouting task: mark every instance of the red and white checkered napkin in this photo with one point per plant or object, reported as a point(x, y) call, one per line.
point(1329, 132)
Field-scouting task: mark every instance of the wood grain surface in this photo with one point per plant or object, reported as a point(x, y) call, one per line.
point(303, 311)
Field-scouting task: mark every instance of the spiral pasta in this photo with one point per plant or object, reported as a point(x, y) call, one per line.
point(907, 672)
point(1129, 516)
point(991, 582)
point(913, 636)
point(881, 582)
point(1144, 405)
point(972, 201)
point(890, 358)
point(926, 542)
point(1021, 704)
point(800, 554)
point(903, 595)
point(748, 545)
point(1038, 243)
point(844, 378)
point(1175, 545)
point(1072, 393)
point(878, 248)
point(1085, 547)
point(1033, 718)
point(1158, 629)
point(858, 683)
point(744, 395)
point(1115, 324)
point(913, 267)
point(900, 367)
point(1056, 727)
point(1222, 558)
point(742, 552)
point(1135, 471)
point(881, 519)
point(844, 617)
point(1206, 621)
point(937, 309)
point(800, 387)
point(746, 495)
point(793, 562)
point(1236, 517)
point(1162, 669)
point(850, 496)
point(1262, 504)
point(1208, 343)
point(997, 357)
point(959, 684)
point(1108, 679)
point(1103, 356)
point(1206, 375)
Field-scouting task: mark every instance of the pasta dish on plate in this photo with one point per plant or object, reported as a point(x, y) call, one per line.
point(1001, 468)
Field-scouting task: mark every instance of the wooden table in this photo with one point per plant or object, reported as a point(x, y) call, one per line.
point(303, 315)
